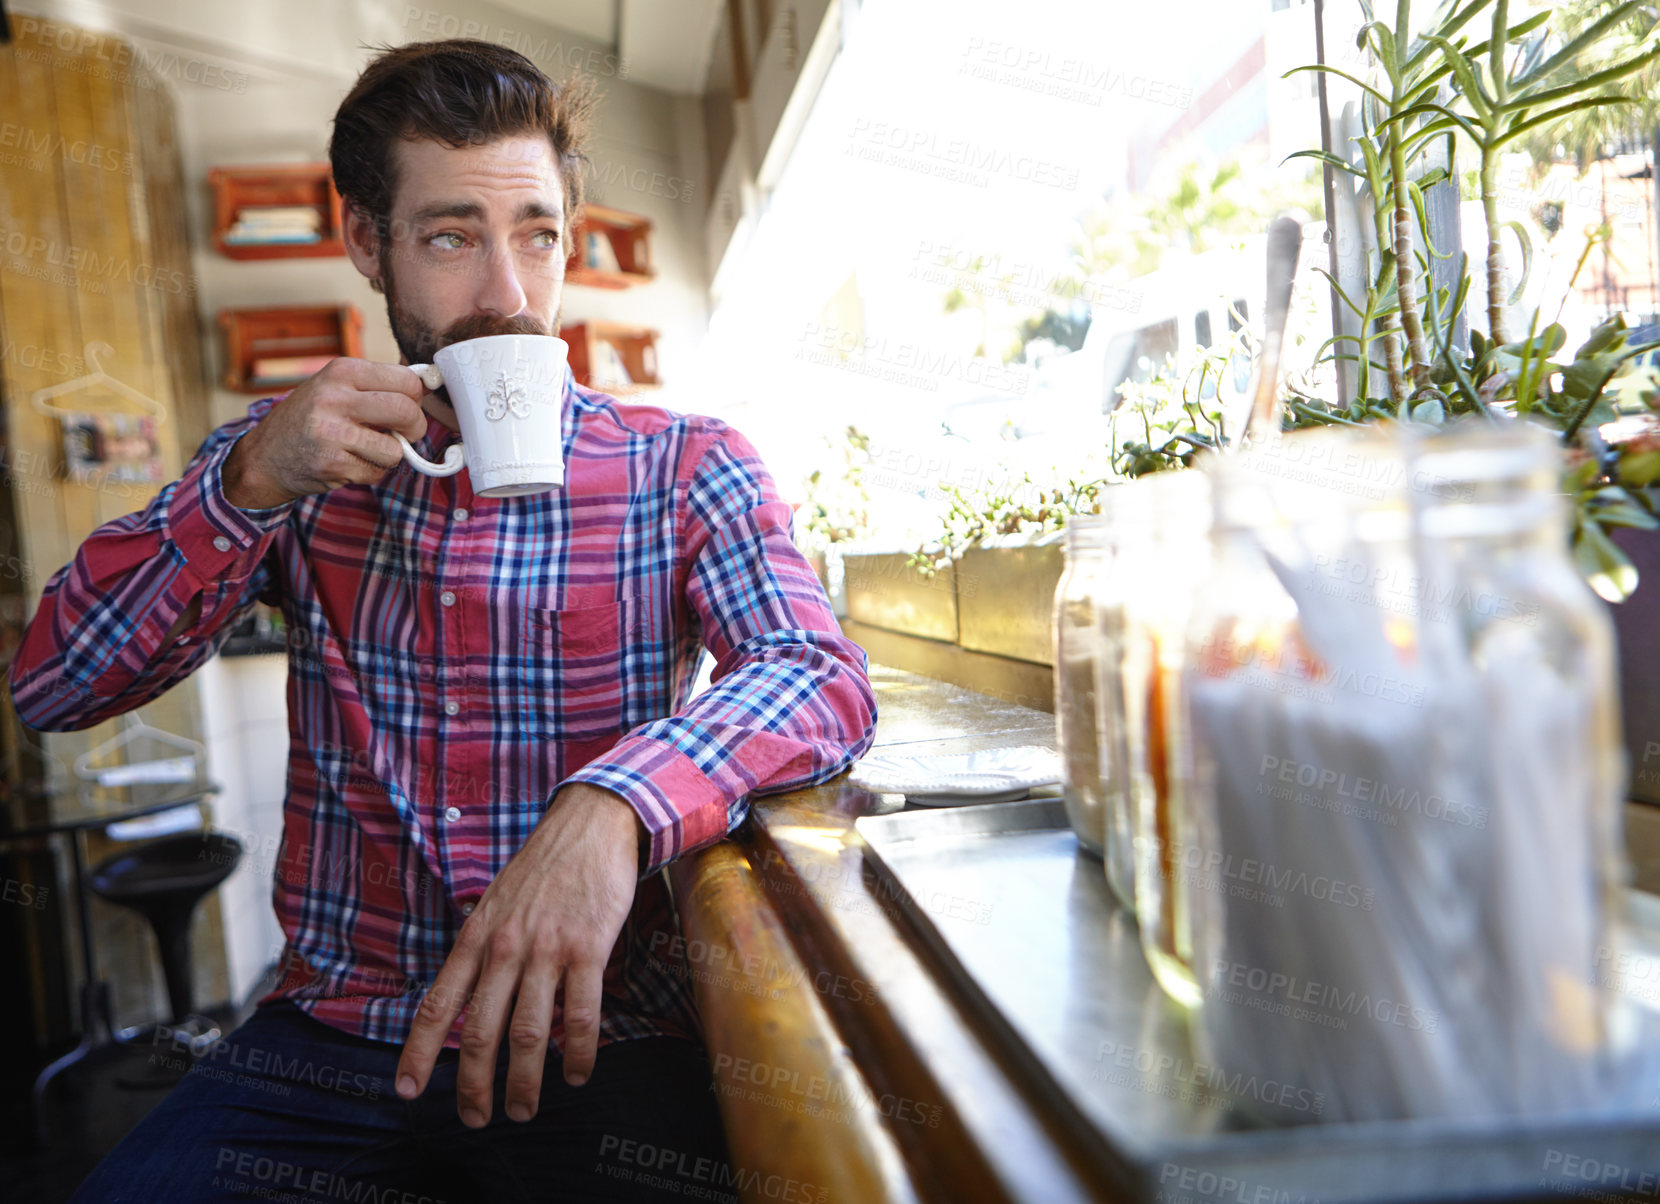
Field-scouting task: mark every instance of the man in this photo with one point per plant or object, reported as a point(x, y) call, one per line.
point(492, 754)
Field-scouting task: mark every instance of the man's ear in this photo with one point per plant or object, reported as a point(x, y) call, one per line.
point(362, 241)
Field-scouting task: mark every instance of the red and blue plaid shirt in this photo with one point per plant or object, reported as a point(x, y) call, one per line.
point(455, 659)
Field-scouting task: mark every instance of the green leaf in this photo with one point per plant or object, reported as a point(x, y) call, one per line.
point(1417, 196)
point(1639, 469)
point(1548, 342)
point(1585, 377)
point(1465, 72)
point(1612, 506)
point(1527, 263)
point(1587, 37)
point(1365, 87)
point(1555, 115)
point(1327, 157)
point(1605, 568)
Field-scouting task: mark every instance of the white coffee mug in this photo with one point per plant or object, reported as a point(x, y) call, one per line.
point(508, 391)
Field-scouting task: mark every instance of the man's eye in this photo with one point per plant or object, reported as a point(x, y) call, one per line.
point(455, 245)
point(547, 239)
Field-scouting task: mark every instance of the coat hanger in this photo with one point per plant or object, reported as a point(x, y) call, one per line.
point(41, 399)
point(167, 769)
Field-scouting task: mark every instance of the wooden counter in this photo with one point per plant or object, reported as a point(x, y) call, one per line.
point(847, 1068)
point(843, 1061)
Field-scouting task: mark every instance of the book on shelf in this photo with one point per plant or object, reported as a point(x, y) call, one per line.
point(276, 224)
point(601, 256)
point(274, 368)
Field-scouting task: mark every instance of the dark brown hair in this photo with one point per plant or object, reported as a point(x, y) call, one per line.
point(460, 92)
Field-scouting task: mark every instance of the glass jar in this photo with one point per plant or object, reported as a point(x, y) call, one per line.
point(1076, 648)
point(1402, 792)
point(1162, 555)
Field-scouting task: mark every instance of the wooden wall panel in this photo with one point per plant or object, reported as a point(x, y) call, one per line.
point(94, 247)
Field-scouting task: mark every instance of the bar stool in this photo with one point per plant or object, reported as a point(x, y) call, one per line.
point(164, 881)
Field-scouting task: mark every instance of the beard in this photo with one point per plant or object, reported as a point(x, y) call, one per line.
point(419, 342)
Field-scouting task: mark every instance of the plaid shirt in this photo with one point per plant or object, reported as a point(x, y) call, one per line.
point(455, 659)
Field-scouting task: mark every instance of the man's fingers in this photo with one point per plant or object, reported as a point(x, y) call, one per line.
point(443, 1002)
point(372, 376)
point(584, 985)
point(386, 411)
point(527, 1036)
point(475, 1078)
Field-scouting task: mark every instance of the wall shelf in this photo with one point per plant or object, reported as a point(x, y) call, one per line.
point(294, 187)
point(635, 347)
point(621, 255)
point(298, 332)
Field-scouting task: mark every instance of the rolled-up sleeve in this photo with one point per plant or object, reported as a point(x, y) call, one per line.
point(790, 702)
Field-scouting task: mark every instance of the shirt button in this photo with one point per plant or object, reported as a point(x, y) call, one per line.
point(220, 542)
point(466, 909)
point(452, 813)
point(447, 598)
point(459, 514)
point(452, 708)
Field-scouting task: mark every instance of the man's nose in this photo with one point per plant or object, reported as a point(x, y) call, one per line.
point(499, 289)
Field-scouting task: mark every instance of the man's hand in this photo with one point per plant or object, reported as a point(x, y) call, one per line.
point(332, 430)
point(548, 922)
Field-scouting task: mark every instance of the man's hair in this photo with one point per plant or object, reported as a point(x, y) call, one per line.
point(459, 92)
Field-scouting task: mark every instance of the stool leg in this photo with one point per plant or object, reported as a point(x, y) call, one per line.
point(94, 1010)
point(172, 927)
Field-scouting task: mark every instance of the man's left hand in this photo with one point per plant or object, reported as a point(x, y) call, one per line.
point(548, 922)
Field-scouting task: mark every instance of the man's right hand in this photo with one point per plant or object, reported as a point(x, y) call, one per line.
point(332, 430)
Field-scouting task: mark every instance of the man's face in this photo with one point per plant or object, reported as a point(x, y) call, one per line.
point(476, 243)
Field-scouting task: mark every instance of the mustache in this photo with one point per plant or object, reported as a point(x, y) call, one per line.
point(478, 326)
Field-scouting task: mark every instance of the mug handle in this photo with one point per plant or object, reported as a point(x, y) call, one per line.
point(454, 457)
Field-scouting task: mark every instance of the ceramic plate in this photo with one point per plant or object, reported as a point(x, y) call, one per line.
point(991, 775)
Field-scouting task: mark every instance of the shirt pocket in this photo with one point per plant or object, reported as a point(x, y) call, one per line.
point(604, 660)
point(575, 649)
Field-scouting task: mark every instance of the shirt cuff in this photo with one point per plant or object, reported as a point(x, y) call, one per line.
point(679, 807)
point(218, 540)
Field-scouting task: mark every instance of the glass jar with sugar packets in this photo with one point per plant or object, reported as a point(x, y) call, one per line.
point(1076, 646)
point(1405, 854)
point(1163, 553)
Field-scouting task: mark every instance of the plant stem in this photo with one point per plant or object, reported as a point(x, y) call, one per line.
point(1495, 249)
point(1406, 282)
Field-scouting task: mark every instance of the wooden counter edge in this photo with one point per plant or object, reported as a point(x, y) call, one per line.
point(775, 1055)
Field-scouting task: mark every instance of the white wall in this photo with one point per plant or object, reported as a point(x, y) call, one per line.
point(245, 722)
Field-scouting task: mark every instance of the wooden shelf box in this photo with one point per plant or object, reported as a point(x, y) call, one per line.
point(628, 237)
point(635, 346)
point(286, 333)
point(304, 185)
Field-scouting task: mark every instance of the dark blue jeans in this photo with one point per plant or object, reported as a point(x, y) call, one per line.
point(287, 1108)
